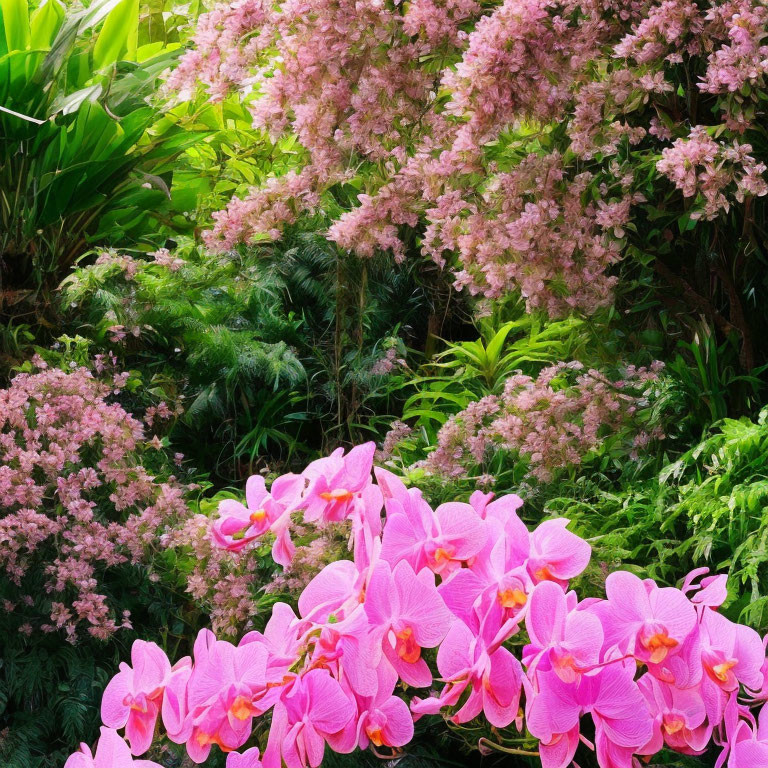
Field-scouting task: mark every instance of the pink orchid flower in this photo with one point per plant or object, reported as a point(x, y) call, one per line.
point(238, 525)
point(175, 710)
point(749, 748)
point(679, 717)
point(622, 720)
point(111, 752)
point(336, 589)
point(473, 659)
point(223, 694)
point(306, 716)
point(493, 574)
point(382, 720)
point(407, 614)
point(247, 759)
point(556, 554)
point(565, 641)
point(336, 481)
point(350, 650)
point(133, 697)
point(731, 654)
point(440, 541)
point(643, 620)
point(711, 591)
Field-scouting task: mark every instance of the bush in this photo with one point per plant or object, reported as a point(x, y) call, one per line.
point(85, 496)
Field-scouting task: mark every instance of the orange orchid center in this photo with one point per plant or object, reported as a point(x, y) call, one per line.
point(513, 598)
point(659, 644)
point(337, 494)
point(544, 574)
point(258, 515)
point(673, 724)
point(406, 646)
point(204, 739)
point(720, 671)
point(442, 554)
point(376, 736)
point(565, 662)
point(242, 708)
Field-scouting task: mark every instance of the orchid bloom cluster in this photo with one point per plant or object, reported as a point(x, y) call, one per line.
point(79, 494)
point(600, 88)
point(652, 666)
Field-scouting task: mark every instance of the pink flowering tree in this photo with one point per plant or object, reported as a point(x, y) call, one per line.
point(460, 613)
point(546, 148)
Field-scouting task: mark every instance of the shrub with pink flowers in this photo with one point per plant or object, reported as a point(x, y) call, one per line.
point(460, 612)
point(85, 487)
point(551, 422)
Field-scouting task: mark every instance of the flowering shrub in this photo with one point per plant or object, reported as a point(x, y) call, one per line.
point(551, 422)
point(79, 494)
point(527, 142)
point(652, 666)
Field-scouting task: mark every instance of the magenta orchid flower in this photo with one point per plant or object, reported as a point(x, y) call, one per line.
point(408, 614)
point(494, 676)
point(623, 724)
point(111, 752)
point(494, 574)
point(336, 588)
point(731, 654)
point(350, 650)
point(643, 620)
point(472, 658)
point(382, 720)
point(680, 717)
point(556, 554)
point(516, 534)
point(133, 697)
point(309, 713)
point(238, 525)
point(749, 748)
point(565, 641)
point(223, 694)
point(336, 481)
point(440, 541)
point(175, 709)
point(711, 591)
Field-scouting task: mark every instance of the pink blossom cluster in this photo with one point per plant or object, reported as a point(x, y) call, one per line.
point(553, 421)
point(531, 230)
point(411, 103)
point(122, 261)
point(652, 666)
point(698, 165)
point(76, 495)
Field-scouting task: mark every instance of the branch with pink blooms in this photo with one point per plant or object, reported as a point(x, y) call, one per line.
point(653, 667)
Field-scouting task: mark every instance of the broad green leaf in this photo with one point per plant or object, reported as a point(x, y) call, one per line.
point(119, 35)
point(45, 23)
point(14, 26)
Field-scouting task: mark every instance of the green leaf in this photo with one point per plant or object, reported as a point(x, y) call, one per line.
point(119, 35)
point(14, 32)
point(45, 23)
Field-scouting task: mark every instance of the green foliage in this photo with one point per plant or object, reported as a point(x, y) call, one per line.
point(468, 370)
point(271, 352)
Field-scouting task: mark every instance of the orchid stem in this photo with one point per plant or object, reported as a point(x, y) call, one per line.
point(508, 750)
